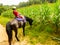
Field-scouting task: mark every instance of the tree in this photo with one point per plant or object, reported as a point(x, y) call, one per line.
point(1, 4)
point(51, 1)
point(3, 8)
point(35, 1)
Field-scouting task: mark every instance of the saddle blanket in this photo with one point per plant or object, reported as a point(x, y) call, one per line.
point(19, 19)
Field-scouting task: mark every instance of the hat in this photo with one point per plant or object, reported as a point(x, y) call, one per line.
point(13, 8)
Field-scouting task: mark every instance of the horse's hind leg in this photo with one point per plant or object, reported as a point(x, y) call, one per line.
point(9, 33)
point(24, 29)
point(16, 34)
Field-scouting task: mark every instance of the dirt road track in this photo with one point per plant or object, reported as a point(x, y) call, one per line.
point(4, 38)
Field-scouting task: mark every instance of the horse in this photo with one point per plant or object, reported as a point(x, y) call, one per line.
point(14, 25)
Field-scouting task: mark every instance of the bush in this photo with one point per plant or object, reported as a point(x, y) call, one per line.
point(8, 14)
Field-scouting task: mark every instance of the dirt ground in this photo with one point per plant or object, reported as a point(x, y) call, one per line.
point(4, 38)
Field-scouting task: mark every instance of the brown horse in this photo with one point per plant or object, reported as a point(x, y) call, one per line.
point(14, 25)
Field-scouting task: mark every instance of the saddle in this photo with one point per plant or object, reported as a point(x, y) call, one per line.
point(19, 19)
point(16, 22)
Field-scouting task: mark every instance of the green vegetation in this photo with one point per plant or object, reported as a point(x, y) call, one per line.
point(46, 21)
point(4, 20)
point(30, 2)
point(3, 8)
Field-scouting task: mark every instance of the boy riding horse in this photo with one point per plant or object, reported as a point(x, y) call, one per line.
point(18, 16)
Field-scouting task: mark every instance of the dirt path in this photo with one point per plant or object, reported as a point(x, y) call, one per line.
point(4, 38)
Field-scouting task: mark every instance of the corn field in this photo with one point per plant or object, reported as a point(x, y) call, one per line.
point(46, 18)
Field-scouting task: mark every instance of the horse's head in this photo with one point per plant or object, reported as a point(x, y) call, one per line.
point(29, 20)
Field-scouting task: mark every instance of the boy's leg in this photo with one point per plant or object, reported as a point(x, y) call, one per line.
point(24, 20)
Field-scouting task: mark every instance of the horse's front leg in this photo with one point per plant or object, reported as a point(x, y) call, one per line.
point(24, 29)
point(16, 34)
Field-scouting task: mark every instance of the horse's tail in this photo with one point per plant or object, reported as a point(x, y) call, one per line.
point(9, 32)
point(8, 26)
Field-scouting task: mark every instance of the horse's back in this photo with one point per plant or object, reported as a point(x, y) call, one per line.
point(15, 23)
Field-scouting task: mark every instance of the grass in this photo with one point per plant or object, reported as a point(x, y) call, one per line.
point(42, 29)
point(4, 20)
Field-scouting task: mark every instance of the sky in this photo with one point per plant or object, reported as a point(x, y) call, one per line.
point(12, 2)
